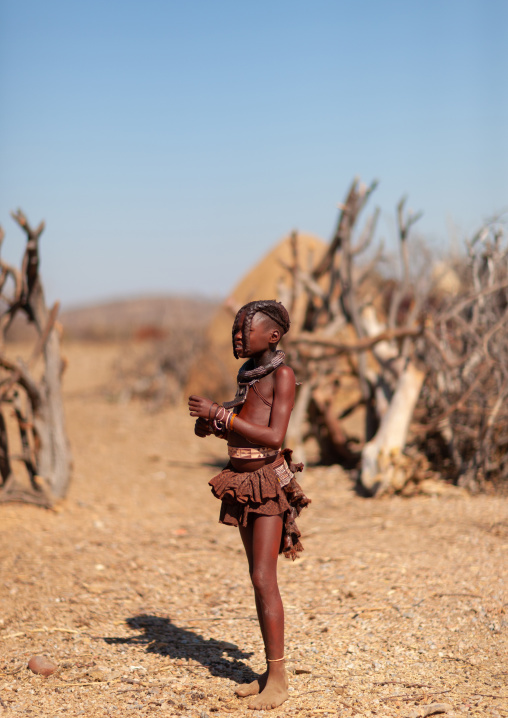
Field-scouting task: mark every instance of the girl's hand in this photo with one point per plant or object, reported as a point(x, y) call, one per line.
point(202, 428)
point(199, 406)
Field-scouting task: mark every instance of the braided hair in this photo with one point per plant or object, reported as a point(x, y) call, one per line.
point(276, 311)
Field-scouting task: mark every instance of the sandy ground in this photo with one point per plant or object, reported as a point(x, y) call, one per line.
point(143, 600)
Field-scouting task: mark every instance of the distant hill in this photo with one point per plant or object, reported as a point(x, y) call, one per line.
point(140, 317)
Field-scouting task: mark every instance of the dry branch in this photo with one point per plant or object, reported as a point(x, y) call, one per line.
point(464, 396)
point(340, 334)
point(362, 344)
point(37, 402)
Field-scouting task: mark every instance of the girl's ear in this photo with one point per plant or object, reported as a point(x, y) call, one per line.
point(275, 336)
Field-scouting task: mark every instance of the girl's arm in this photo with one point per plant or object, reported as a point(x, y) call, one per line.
point(283, 402)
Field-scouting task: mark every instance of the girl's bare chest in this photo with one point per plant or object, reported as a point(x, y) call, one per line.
point(258, 405)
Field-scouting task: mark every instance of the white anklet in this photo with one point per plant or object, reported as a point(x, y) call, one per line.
point(275, 660)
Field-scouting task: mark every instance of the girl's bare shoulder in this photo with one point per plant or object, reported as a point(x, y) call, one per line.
point(285, 374)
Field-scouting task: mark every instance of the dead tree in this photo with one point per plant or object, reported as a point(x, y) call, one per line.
point(399, 377)
point(341, 328)
point(40, 472)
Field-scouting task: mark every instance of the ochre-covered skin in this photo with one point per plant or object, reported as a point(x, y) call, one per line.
point(259, 494)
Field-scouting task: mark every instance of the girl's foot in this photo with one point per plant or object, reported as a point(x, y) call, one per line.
point(272, 695)
point(252, 689)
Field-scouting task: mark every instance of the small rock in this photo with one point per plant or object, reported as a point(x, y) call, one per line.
point(42, 666)
point(302, 669)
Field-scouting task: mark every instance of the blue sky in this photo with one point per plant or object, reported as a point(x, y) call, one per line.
point(169, 145)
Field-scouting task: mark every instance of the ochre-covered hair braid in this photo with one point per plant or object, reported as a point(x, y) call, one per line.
point(271, 308)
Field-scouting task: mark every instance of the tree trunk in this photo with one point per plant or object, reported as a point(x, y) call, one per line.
point(381, 466)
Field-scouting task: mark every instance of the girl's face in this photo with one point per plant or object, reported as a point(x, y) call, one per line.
point(260, 337)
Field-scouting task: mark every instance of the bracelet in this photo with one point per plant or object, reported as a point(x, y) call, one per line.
point(223, 420)
point(219, 430)
point(218, 423)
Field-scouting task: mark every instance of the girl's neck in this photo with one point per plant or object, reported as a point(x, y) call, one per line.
point(263, 358)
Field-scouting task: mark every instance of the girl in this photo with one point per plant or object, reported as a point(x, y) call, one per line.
point(257, 488)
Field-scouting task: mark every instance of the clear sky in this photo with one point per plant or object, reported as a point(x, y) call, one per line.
point(169, 145)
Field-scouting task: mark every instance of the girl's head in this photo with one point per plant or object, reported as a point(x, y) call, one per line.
point(274, 312)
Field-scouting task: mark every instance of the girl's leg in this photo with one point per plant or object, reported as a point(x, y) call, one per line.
point(256, 686)
point(247, 535)
point(261, 539)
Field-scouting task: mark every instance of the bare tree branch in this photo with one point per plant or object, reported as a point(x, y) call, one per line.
point(37, 403)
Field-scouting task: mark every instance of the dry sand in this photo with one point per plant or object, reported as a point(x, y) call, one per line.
point(143, 599)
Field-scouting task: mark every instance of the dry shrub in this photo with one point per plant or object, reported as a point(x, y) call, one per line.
point(156, 370)
point(463, 407)
point(154, 363)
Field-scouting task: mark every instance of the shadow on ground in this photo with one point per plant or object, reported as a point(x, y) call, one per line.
point(161, 636)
